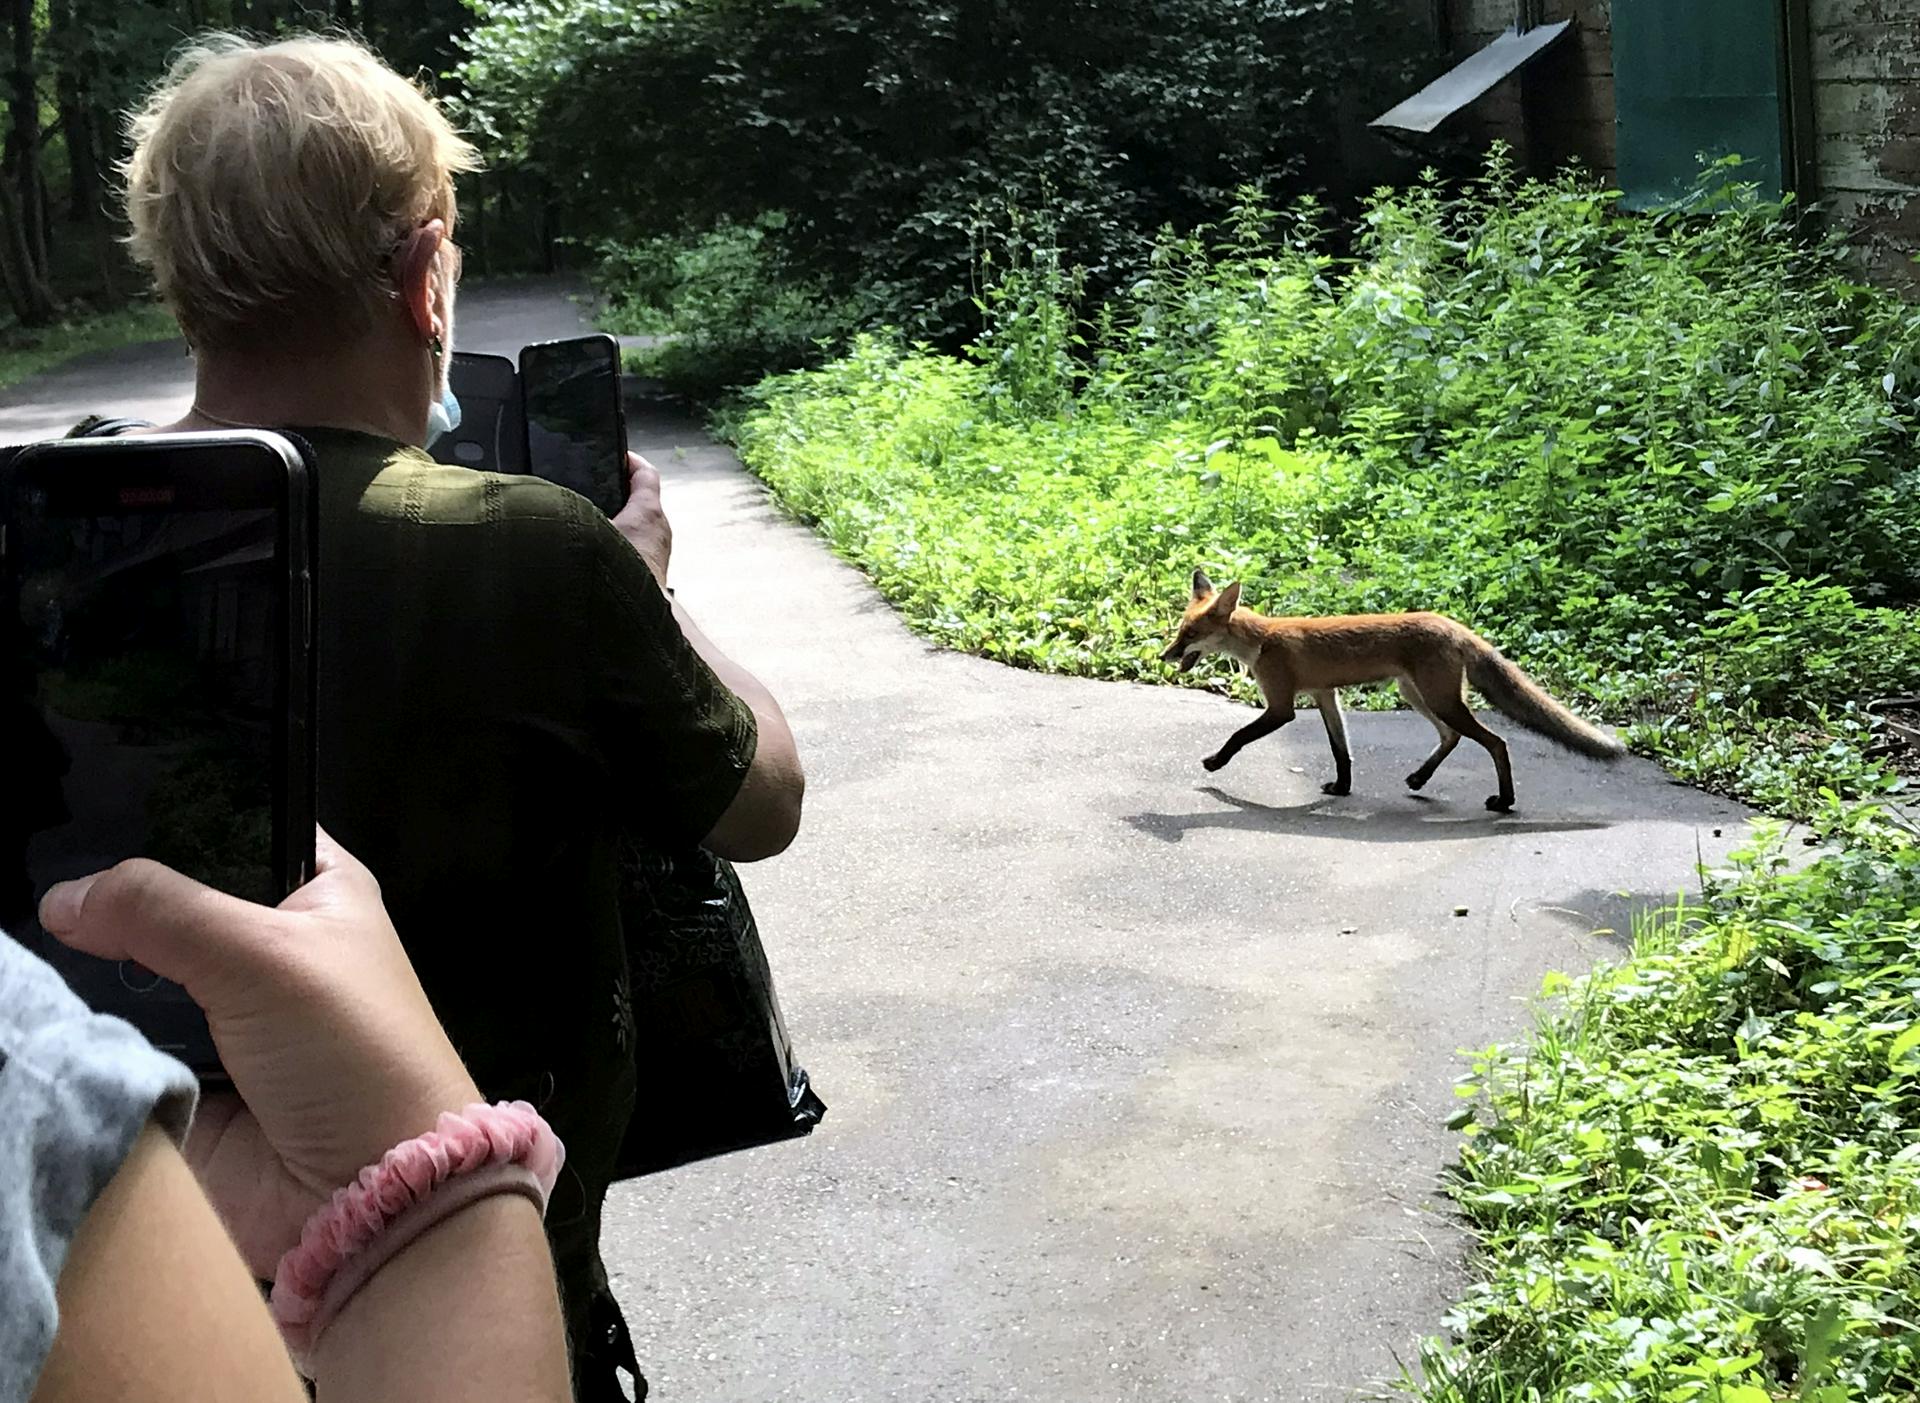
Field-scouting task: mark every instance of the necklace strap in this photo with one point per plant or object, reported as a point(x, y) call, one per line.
point(195, 408)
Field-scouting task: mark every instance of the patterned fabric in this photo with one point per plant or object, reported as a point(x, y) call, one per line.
point(503, 695)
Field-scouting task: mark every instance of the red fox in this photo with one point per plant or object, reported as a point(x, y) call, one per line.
point(1430, 656)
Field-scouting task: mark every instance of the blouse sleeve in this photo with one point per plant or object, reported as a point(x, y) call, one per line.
point(76, 1089)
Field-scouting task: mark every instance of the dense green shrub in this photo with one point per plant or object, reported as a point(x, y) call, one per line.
point(1700, 1178)
point(881, 128)
point(1667, 462)
point(724, 305)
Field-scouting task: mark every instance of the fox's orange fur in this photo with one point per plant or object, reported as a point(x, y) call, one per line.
point(1430, 656)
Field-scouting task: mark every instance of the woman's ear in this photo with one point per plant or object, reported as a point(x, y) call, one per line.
point(414, 272)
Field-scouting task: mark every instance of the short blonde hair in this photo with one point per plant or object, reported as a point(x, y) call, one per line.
point(274, 181)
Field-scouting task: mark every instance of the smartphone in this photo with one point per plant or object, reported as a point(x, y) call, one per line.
point(156, 685)
point(576, 424)
point(492, 436)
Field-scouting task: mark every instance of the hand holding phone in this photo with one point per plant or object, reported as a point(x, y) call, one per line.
point(327, 1033)
point(643, 521)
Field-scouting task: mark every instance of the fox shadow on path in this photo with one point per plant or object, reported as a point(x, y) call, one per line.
point(1409, 818)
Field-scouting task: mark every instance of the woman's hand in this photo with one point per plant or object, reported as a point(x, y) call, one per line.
point(643, 521)
point(318, 1017)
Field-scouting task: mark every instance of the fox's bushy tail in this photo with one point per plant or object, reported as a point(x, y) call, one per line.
point(1519, 696)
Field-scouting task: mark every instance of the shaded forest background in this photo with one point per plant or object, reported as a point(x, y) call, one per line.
point(838, 162)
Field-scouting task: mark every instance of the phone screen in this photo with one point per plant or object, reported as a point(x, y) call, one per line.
point(576, 427)
point(144, 674)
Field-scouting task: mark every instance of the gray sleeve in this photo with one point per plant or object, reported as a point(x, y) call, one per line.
point(76, 1088)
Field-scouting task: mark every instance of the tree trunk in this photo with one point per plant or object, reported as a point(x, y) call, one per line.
point(478, 186)
point(27, 286)
point(76, 117)
point(83, 155)
point(23, 140)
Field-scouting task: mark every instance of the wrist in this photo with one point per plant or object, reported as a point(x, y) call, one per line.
point(479, 1153)
point(412, 1108)
point(477, 1281)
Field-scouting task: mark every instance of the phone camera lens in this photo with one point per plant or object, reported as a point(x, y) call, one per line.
point(138, 977)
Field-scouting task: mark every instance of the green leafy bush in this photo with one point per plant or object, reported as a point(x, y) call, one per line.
point(1668, 462)
point(1700, 1178)
point(724, 306)
point(881, 128)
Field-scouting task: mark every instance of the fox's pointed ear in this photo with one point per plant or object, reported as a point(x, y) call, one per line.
point(1229, 599)
point(1202, 586)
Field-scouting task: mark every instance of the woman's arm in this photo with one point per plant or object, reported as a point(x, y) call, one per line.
point(469, 1311)
point(764, 816)
point(156, 1304)
point(327, 1035)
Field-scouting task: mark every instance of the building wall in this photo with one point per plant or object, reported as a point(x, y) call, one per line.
point(1561, 108)
point(1866, 103)
point(1865, 65)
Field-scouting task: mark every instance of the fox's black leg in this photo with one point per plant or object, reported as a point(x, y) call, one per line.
point(1265, 724)
point(1329, 703)
point(1449, 737)
point(1452, 711)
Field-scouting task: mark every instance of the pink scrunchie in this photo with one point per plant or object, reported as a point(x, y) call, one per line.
point(485, 1150)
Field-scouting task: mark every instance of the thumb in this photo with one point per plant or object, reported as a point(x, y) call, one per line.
point(139, 910)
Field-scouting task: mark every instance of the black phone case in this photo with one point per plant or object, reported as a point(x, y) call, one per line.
point(293, 750)
point(492, 437)
point(612, 351)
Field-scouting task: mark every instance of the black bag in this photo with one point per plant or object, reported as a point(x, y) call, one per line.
point(714, 1071)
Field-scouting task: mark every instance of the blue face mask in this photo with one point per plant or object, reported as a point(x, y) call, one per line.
point(443, 416)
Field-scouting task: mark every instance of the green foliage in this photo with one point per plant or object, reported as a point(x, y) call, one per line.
point(1667, 463)
point(881, 128)
point(1700, 1178)
point(726, 308)
point(78, 66)
point(211, 813)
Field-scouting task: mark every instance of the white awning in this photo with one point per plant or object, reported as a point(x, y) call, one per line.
point(1468, 80)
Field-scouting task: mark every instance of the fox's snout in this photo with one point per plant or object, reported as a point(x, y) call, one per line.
point(1180, 653)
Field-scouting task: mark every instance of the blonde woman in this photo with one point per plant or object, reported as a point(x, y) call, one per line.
point(506, 684)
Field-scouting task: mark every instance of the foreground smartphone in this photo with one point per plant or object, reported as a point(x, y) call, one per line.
point(156, 685)
point(576, 424)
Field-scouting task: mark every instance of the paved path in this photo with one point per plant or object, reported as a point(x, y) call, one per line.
point(1138, 1075)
